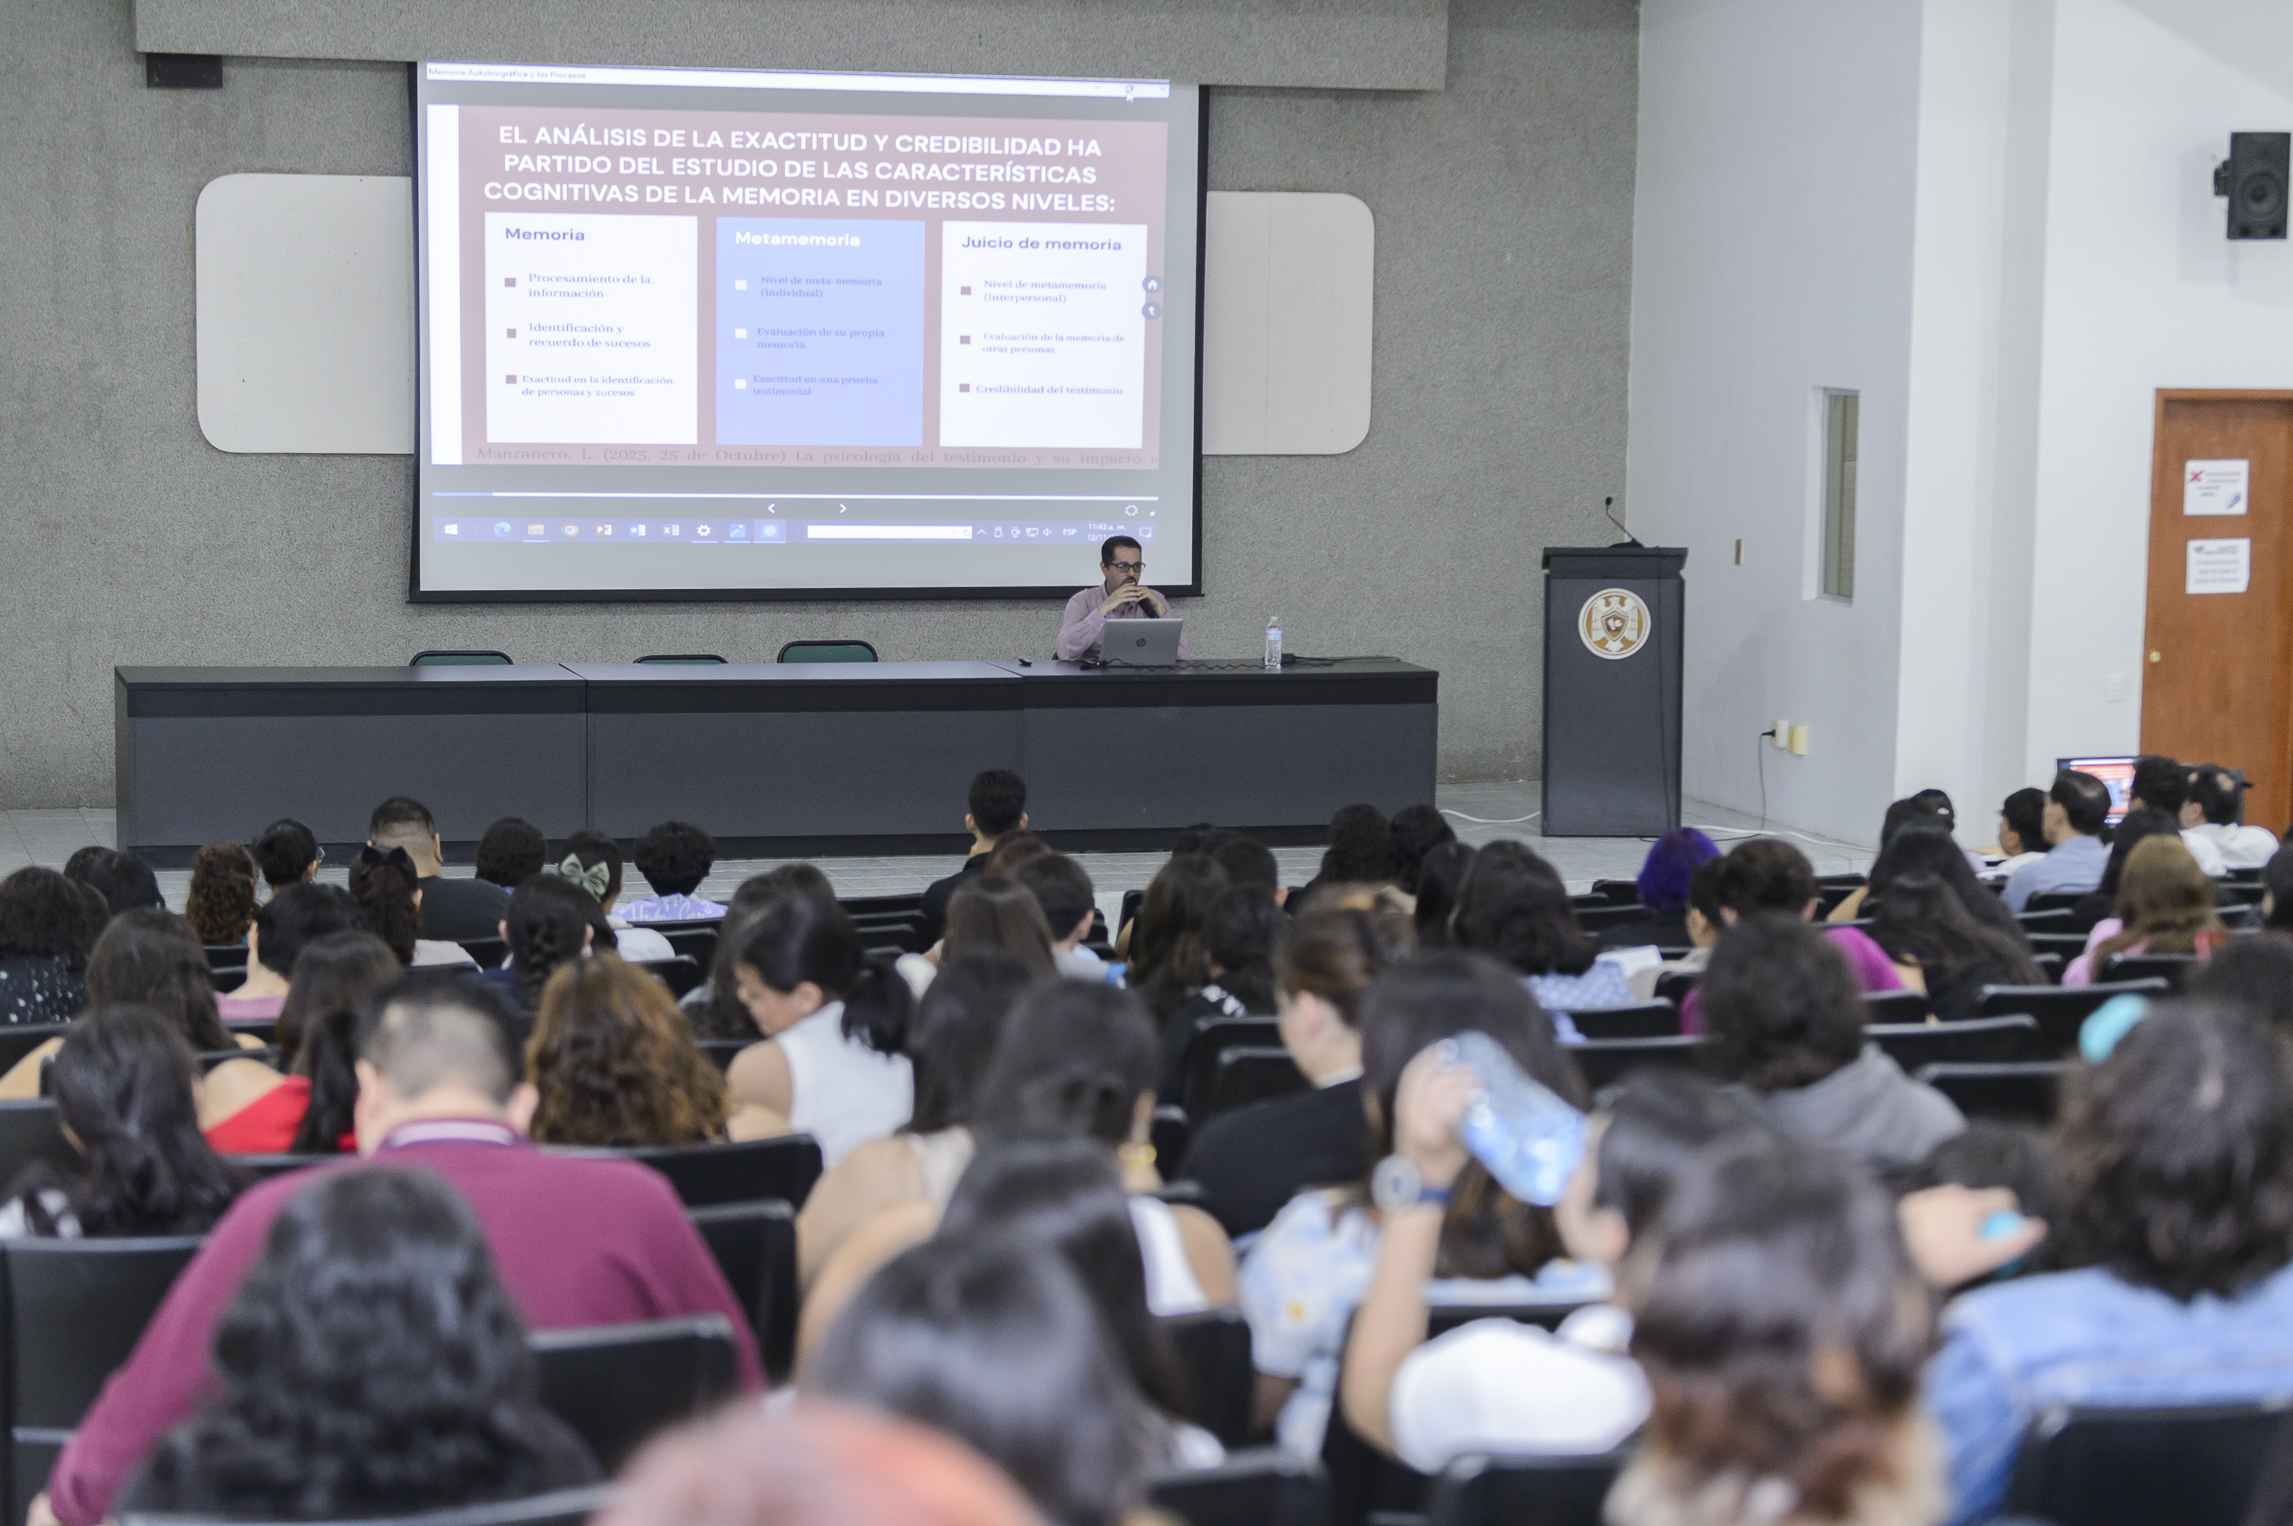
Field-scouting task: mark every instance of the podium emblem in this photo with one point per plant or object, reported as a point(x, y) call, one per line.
point(1614, 623)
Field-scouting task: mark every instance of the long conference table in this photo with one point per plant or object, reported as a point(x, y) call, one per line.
point(773, 760)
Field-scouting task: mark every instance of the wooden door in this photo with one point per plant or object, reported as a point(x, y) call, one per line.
point(2218, 672)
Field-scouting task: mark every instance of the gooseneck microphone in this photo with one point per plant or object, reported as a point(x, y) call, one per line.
point(1607, 507)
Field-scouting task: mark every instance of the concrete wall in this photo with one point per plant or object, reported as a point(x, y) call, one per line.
point(1504, 206)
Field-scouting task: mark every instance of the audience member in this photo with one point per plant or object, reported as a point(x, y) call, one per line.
point(1247, 861)
point(286, 924)
point(1168, 961)
point(835, 1022)
point(714, 1005)
point(2165, 906)
point(512, 851)
point(1066, 1197)
point(1515, 908)
point(1990, 1154)
point(1925, 848)
point(288, 854)
point(675, 857)
point(993, 911)
point(1940, 946)
point(452, 909)
point(1440, 879)
point(551, 921)
point(2161, 784)
point(1769, 875)
point(1415, 831)
point(1786, 1023)
point(388, 890)
point(1360, 850)
point(124, 881)
point(48, 926)
point(577, 1240)
point(1012, 850)
point(123, 1084)
point(1498, 1385)
point(998, 802)
point(2077, 809)
point(2277, 898)
point(1781, 1329)
point(1250, 1161)
point(1001, 1347)
point(1663, 889)
point(1703, 921)
point(314, 1111)
point(2215, 812)
point(615, 1065)
point(593, 861)
point(372, 1365)
point(818, 1464)
point(951, 1043)
point(1238, 934)
point(1063, 890)
point(2253, 973)
point(2137, 826)
point(2175, 1163)
point(221, 900)
point(1303, 1277)
point(2021, 831)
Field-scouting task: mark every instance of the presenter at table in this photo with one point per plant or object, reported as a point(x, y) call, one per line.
point(1121, 597)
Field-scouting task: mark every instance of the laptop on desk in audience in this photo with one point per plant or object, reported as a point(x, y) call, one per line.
point(1141, 643)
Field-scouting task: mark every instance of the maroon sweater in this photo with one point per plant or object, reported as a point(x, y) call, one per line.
point(577, 1241)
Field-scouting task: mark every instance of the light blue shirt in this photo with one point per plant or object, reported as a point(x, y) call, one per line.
point(670, 908)
point(2076, 864)
point(2089, 1337)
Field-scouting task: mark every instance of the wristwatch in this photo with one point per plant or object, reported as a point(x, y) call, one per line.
point(1397, 1185)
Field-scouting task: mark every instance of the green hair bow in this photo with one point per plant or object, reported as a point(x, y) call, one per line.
point(593, 878)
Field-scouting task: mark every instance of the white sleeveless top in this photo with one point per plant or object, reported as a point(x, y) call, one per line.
point(1171, 1286)
point(841, 1092)
point(941, 1159)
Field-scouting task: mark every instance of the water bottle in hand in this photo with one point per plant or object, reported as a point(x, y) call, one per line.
point(1528, 1137)
point(1274, 644)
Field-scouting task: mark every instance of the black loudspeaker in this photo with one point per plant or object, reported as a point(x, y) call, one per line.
point(204, 71)
point(2254, 177)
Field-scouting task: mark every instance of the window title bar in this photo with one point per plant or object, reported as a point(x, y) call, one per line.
point(796, 79)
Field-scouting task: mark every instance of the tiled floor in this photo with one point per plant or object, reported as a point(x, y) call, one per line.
point(1480, 812)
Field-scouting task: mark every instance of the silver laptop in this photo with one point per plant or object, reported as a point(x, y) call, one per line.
point(1141, 643)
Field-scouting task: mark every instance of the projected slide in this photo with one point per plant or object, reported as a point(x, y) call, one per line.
point(790, 333)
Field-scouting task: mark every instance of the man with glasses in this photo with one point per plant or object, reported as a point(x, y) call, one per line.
point(1122, 597)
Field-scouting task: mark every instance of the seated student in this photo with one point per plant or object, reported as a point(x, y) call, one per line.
point(2138, 825)
point(2253, 973)
point(835, 1022)
point(1992, 1155)
point(951, 1042)
point(1929, 811)
point(2077, 809)
point(451, 908)
point(124, 881)
point(2175, 1163)
point(2165, 906)
point(389, 896)
point(124, 1084)
point(1066, 1197)
point(1360, 850)
point(1012, 850)
point(371, 1366)
point(2215, 813)
point(511, 852)
point(1168, 961)
point(1769, 875)
point(2021, 832)
point(48, 927)
point(593, 861)
point(714, 1006)
point(998, 802)
point(1703, 922)
point(1663, 888)
point(1303, 1277)
point(1001, 1347)
point(674, 857)
point(221, 900)
point(577, 1240)
point(551, 922)
point(290, 921)
point(1781, 1328)
point(310, 1112)
point(1415, 831)
point(1062, 888)
point(2161, 784)
point(1247, 861)
point(1941, 947)
point(1515, 908)
point(288, 854)
point(1786, 1023)
point(1440, 879)
point(1238, 935)
point(1496, 1385)
point(1250, 1161)
point(988, 911)
point(615, 1067)
point(1924, 847)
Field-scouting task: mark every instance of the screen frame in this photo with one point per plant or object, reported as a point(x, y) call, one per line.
point(417, 594)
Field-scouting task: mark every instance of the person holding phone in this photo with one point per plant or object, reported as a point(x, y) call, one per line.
point(1123, 596)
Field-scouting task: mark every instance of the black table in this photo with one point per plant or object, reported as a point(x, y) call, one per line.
point(775, 760)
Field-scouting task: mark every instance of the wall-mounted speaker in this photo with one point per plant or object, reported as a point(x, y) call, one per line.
point(2254, 177)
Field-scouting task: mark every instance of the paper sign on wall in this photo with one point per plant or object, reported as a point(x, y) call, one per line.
point(2214, 487)
point(2219, 566)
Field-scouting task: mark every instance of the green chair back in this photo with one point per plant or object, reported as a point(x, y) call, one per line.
point(460, 659)
point(827, 651)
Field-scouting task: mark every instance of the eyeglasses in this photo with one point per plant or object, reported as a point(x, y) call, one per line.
point(1127, 566)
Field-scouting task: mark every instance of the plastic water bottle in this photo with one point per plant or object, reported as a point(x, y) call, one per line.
point(1529, 1138)
point(1274, 645)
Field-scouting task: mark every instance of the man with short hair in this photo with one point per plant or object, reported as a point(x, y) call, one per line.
point(452, 909)
point(674, 857)
point(1083, 627)
point(578, 1241)
point(2161, 784)
point(998, 808)
point(2077, 808)
point(2214, 814)
point(1070, 904)
point(284, 925)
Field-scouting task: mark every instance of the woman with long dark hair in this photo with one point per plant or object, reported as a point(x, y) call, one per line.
point(1440, 880)
point(309, 1113)
point(388, 889)
point(1167, 959)
point(123, 1084)
point(549, 923)
point(1515, 908)
point(714, 1005)
point(371, 1366)
point(1939, 944)
point(1238, 936)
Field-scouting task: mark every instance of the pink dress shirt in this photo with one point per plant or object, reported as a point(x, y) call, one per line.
point(1082, 628)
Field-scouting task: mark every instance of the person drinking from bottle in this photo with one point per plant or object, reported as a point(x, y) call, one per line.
point(1122, 597)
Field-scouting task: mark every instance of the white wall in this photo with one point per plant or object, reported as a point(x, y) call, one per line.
point(1771, 258)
